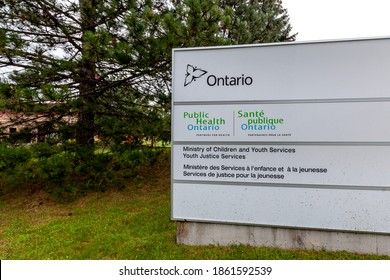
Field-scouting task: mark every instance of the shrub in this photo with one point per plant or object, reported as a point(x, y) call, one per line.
point(68, 171)
point(12, 157)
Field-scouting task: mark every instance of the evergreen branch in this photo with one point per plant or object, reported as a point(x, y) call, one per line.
point(43, 34)
point(12, 63)
point(59, 25)
point(60, 11)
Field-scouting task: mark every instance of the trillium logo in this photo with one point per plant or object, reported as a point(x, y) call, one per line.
point(192, 74)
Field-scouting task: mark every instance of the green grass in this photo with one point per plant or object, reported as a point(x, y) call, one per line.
point(133, 223)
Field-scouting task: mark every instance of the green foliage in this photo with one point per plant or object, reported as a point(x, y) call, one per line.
point(247, 22)
point(84, 65)
point(10, 158)
point(68, 171)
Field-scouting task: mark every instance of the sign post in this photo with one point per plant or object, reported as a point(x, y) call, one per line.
point(288, 135)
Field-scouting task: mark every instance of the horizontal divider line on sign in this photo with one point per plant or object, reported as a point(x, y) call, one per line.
point(283, 185)
point(293, 143)
point(290, 101)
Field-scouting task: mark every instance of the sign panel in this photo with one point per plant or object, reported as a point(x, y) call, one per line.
point(318, 208)
point(309, 122)
point(290, 71)
point(293, 134)
point(280, 164)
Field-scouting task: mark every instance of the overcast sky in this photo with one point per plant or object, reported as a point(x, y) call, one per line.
point(338, 19)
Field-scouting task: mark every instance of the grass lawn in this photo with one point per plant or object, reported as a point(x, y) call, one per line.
point(133, 223)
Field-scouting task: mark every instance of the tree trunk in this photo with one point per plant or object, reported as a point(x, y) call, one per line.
point(86, 117)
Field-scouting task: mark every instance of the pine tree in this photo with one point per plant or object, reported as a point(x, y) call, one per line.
point(87, 67)
point(255, 21)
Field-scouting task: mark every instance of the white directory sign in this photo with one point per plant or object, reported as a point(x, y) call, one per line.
point(288, 135)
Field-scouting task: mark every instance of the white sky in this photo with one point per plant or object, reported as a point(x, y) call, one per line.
point(338, 19)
